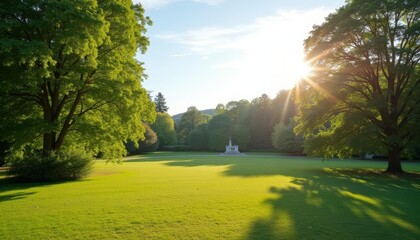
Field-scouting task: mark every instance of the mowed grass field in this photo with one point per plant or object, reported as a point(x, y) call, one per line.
point(207, 196)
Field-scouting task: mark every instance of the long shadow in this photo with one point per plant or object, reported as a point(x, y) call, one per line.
point(264, 164)
point(13, 189)
point(342, 204)
point(244, 166)
point(15, 196)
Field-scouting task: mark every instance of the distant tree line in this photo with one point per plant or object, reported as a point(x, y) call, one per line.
point(251, 125)
point(263, 124)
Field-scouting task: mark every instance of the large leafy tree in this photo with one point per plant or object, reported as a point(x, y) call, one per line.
point(198, 138)
point(190, 120)
point(240, 114)
point(160, 103)
point(261, 123)
point(68, 75)
point(165, 129)
point(219, 131)
point(285, 140)
point(364, 94)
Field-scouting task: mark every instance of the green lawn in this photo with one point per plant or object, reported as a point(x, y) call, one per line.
point(207, 196)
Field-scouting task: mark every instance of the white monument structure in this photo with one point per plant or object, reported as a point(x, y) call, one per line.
point(232, 149)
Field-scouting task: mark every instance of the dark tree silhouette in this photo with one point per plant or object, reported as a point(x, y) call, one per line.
point(160, 103)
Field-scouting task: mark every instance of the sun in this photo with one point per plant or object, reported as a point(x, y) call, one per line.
point(293, 72)
point(305, 70)
point(300, 70)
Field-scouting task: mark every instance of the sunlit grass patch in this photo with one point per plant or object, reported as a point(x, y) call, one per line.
point(208, 196)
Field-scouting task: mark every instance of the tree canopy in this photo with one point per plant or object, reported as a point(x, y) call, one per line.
point(190, 120)
point(68, 75)
point(249, 124)
point(218, 130)
point(149, 143)
point(364, 93)
point(165, 129)
point(285, 140)
point(261, 123)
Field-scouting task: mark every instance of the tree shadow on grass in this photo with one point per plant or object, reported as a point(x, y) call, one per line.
point(244, 166)
point(269, 165)
point(322, 202)
point(13, 189)
point(15, 196)
point(342, 204)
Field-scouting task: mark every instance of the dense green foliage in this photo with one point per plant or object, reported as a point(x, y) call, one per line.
point(190, 120)
point(241, 136)
point(165, 129)
point(218, 130)
point(149, 143)
point(261, 123)
point(160, 103)
point(68, 75)
point(285, 140)
point(249, 124)
point(198, 138)
point(364, 95)
point(202, 195)
point(66, 165)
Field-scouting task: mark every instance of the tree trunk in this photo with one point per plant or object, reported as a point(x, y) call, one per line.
point(394, 162)
point(48, 144)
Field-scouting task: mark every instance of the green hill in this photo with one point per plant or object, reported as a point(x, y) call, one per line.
point(177, 117)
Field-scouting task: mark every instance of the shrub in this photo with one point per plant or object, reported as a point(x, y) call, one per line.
point(66, 165)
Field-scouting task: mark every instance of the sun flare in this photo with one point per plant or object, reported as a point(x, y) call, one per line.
point(299, 70)
point(295, 71)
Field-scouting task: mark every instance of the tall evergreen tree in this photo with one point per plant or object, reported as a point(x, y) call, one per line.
point(160, 103)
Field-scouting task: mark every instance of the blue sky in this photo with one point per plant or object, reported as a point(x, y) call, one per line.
point(205, 52)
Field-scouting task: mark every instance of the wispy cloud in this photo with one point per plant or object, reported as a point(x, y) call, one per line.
point(269, 48)
point(180, 54)
point(210, 2)
point(149, 4)
point(209, 40)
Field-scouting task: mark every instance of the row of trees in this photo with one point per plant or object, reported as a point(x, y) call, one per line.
point(249, 124)
point(262, 124)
